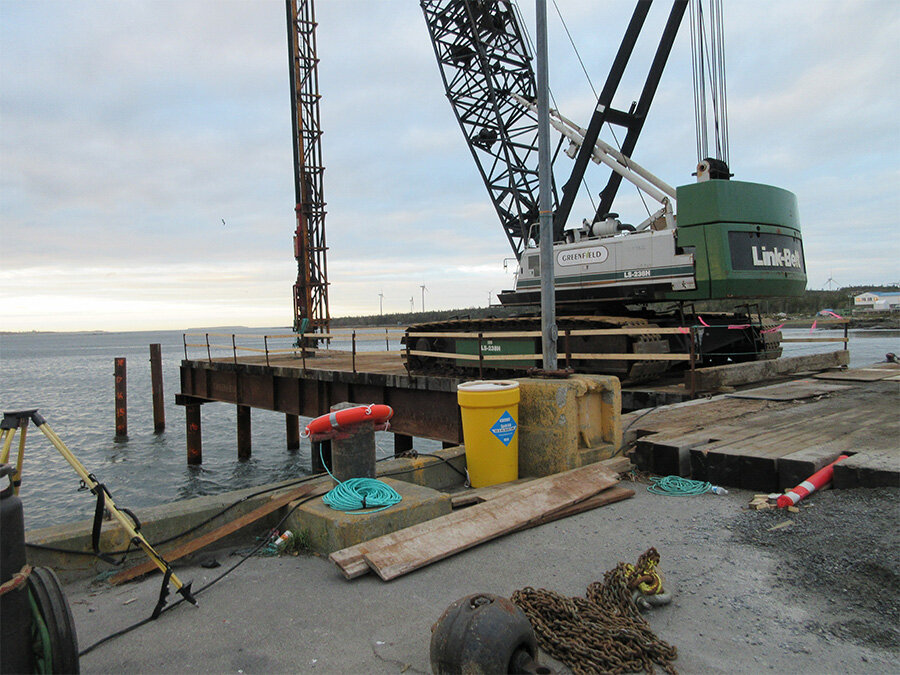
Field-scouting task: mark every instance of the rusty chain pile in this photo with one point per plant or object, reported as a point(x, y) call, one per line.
point(602, 633)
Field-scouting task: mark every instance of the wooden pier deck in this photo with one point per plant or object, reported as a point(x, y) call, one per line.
point(773, 437)
point(424, 406)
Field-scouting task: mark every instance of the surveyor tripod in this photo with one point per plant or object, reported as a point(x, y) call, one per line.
point(18, 421)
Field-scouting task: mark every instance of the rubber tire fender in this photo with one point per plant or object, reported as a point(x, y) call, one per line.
point(54, 609)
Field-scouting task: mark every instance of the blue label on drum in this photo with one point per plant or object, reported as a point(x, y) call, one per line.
point(504, 428)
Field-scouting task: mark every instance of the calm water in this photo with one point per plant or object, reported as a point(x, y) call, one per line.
point(69, 378)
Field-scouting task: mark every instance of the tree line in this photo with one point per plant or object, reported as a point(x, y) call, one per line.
point(839, 300)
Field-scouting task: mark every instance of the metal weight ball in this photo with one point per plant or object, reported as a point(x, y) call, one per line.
point(483, 633)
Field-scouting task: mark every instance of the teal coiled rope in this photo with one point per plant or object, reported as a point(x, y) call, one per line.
point(678, 486)
point(355, 494)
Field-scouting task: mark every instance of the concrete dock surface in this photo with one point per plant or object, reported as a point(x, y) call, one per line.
point(751, 593)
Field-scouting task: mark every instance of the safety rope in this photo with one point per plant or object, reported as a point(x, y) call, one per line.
point(677, 486)
point(603, 632)
point(16, 581)
point(359, 495)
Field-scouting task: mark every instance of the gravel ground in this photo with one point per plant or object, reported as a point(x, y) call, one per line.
point(839, 560)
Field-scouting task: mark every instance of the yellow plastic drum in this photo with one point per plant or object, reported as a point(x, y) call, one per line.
point(490, 419)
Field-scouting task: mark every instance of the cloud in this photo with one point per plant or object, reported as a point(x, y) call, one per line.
point(130, 130)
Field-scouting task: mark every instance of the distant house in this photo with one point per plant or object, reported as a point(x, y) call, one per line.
point(878, 302)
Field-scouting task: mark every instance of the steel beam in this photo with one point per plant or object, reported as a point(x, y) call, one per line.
point(423, 406)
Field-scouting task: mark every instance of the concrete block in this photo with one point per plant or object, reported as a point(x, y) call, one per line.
point(329, 530)
point(565, 424)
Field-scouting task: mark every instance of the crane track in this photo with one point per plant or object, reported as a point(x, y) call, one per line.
point(626, 369)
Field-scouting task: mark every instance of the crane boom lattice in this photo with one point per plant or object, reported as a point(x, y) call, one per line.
point(311, 287)
point(484, 59)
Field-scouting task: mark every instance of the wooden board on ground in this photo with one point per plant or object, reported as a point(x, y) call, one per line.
point(871, 374)
point(351, 560)
point(515, 508)
point(791, 391)
point(619, 464)
point(277, 502)
point(478, 495)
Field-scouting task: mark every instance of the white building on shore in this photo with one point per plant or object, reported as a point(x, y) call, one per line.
point(874, 301)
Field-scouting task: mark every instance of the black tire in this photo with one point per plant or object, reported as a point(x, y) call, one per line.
point(54, 610)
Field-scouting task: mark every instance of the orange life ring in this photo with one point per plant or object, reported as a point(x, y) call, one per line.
point(376, 412)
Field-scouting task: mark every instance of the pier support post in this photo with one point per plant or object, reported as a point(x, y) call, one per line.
point(353, 449)
point(244, 442)
point(292, 431)
point(156, 385)
point(193, 433)
point(121, 400)
point(402, 443)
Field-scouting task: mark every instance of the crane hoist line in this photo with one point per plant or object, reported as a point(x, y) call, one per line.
point(713, 239)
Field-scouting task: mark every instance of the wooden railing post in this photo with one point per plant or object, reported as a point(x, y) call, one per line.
point(480, 356)
point(693, 365)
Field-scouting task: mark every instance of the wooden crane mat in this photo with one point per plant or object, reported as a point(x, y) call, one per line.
point(771, 438)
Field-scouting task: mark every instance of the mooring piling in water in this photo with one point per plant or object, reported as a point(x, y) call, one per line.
point(292, 431)
point(244, 442)
point(121, 399)
point(193, 430)
point(156, 385)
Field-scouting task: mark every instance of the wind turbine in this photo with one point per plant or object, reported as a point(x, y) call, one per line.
point(381, 303)
point(423, 296)
point(412, 304)
point(830, 283)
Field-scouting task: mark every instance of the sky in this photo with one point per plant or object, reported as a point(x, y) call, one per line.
point(146, 176)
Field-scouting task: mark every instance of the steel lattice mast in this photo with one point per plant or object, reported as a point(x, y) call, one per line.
point(484, 60)
point(311, 287)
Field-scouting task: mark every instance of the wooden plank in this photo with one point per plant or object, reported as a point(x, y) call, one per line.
point(277, 502)
point(620, 464)
point(790, 391)
point(608, 496)
point(800, 465)
point(478, 495)
point(669, 453)
point(349, 559)
point(870, 468)
point(872, 374)
point(460, 530)
point(707, 379)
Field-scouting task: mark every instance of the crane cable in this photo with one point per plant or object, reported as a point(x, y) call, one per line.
point(594, 90)
point(708, 63)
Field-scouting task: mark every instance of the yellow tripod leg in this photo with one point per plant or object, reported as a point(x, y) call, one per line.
point(7, 436)
point(124, 519)
point(11, 422)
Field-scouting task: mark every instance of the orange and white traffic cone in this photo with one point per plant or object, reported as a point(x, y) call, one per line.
point(818, 480)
